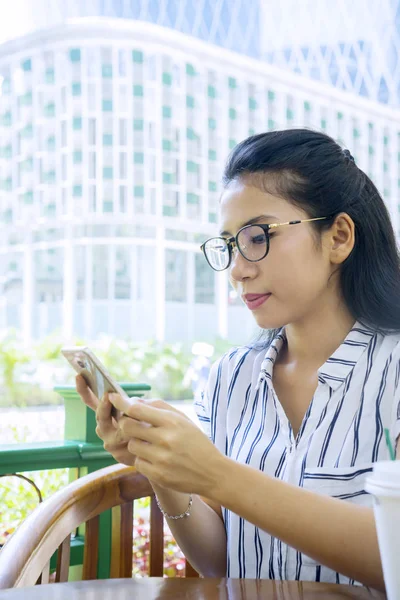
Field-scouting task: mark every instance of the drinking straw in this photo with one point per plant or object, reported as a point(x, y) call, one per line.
point(389, 445)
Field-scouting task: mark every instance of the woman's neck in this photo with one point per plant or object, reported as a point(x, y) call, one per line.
point(312, 341)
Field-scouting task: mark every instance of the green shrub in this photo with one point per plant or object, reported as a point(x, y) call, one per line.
point(28, 375)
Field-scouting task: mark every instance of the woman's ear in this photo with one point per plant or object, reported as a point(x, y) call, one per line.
point(342, 238)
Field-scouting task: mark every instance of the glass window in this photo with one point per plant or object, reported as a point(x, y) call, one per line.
point(92, 165)
point(190, 70)
point(122, 198)
point(107, 70)
point(189, 101)
point(6, 119)
point(48, 278)
point(168, 178)
point(167, 145)
point(107, 105)
point(64, 167)
point(192, 167)
point(252, 103)
point(49, 75)
point(77, 190)
point(123, 137)
point(138, 124)
point(92, 198)
point(75, 55)
point(80, 271)
point(28, 197)
point(123, 166)
point(27, 131)
point(77, 157)
point(77, 123)
point(170, 203)
point(175, 275)
point(6, 86)
point(138, 90)
point(51, 143)
point(138, 158)
point(26, 65)
point(137, 56)
point(204, 281)
point(25, 99)
point(167, 112)
point(138, 191)
point(100, 272)
point(76, 89)
point(50, 110)
point(92, 131)
point(167, 78)
point(107, 172)
point(122, 273)
point(107, 139)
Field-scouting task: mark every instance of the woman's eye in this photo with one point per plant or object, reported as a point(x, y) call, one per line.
point(258, 239)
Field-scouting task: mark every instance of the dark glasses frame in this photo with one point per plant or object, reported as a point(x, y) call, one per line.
point(233, 241)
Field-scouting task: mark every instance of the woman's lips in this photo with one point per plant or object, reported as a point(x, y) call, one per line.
point(253, 301)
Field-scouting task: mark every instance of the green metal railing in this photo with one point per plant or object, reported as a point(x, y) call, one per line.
point(82, 452)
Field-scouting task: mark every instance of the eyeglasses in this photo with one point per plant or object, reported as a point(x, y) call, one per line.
point(252, 241)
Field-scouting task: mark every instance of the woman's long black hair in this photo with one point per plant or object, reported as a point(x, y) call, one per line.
point(310, 170)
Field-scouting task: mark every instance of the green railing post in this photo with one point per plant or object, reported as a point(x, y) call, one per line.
point(80, 425)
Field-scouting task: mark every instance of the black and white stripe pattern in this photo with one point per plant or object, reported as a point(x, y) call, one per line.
point(342, 435)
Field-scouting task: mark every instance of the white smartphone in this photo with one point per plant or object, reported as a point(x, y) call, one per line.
point(98, 379)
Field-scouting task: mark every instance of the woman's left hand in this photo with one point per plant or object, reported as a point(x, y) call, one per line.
point(173, 452)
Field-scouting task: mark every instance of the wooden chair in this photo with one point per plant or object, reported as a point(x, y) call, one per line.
point(25, 558)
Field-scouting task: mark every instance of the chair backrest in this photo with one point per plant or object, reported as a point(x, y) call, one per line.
point(25, 558)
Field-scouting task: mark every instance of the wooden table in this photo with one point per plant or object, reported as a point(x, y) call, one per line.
point(155, 588)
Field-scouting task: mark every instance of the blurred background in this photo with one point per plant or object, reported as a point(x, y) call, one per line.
point(116, 118)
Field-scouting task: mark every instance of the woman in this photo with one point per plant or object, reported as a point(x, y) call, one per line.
point(294, 422)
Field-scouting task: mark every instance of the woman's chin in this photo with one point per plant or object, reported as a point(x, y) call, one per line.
point(268, 323)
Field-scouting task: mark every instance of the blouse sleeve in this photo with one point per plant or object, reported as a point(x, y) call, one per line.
point(205, 406)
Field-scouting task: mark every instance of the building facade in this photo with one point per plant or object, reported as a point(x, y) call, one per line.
point(113, 138)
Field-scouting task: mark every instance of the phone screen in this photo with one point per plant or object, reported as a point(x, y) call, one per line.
point(97, 380)
point(93, 376)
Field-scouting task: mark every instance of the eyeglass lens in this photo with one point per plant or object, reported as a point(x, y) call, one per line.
point(253, 242)
point(253, 245)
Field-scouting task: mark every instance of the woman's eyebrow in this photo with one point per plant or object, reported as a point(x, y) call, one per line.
point(252, 222)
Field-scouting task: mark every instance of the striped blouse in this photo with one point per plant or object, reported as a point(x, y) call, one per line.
point(342, 434)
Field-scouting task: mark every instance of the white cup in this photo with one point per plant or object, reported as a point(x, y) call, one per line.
point(384, 484)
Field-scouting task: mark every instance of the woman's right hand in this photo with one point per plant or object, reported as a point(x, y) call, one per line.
point(107, 428)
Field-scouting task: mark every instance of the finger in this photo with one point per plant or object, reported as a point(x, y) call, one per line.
point(131, 428)
point(86, 393)
point(142, 412)
point(157, 403)
point(145, 468)
point(103, 417)
point(142, 450)
point(120, 403)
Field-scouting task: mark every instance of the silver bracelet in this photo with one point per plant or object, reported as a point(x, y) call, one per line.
point(181, 516)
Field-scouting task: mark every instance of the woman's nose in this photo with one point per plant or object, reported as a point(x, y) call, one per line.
point(240, 267)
